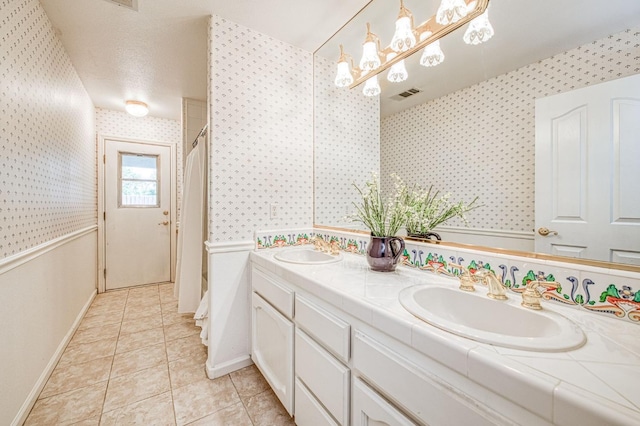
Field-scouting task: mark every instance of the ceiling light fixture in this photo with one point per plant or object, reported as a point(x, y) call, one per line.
point(454, 14)
point(136, 108)
point(479, 30)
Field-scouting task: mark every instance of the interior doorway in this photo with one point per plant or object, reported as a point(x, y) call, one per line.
point(137, 209)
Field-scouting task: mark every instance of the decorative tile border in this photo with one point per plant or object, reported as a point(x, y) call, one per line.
point(596, 290)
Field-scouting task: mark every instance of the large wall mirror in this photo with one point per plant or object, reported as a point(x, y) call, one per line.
point(471, 129)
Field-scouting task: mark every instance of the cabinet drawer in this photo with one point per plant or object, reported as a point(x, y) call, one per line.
point(370, 409)
point(308, 410)
point(272, 348)
point(279, 296)
point(324, 376)
point(326, 328)
point(422, 394)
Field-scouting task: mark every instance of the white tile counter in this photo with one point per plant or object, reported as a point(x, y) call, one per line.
point(598, 383)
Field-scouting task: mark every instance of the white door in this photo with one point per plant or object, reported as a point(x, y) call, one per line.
point(588, 172)
point(137, 213)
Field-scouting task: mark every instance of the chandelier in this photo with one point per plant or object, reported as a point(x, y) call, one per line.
point(409, 39)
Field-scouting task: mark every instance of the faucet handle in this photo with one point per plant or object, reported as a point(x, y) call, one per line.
point(467, 281)
point(531, 296)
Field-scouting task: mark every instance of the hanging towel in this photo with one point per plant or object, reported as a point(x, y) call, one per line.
point(188, 286)
point(202, 318)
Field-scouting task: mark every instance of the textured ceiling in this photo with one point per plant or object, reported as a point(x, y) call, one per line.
point(159, 53)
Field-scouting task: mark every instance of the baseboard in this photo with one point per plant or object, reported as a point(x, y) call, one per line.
point(24, 411)
point(228, 367)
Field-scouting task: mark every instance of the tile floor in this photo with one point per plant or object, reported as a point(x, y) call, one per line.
point(135, 360)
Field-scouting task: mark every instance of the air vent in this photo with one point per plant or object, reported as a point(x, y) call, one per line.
point(404, 95)
point(129, 4)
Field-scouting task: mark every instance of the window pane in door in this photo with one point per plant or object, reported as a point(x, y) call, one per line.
point(139, 180)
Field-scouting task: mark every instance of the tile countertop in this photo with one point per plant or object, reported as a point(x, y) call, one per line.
point(598, 383)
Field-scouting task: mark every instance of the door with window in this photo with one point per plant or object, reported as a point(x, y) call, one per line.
point(137, 214)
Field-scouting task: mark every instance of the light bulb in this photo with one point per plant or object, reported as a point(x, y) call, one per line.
point(370, 59)
point(343, 76)
point(479, 30)
point(398, 71)
point(371, 87)
point(403, 39)
point(451, 11)
point(432, 55)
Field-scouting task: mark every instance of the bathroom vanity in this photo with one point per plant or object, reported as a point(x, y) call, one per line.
point(338, 348)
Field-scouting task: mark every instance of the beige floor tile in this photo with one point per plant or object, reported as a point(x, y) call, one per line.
point(170, 307)
point(188, 370)
point(141, 324)
point(265, 410)
point(167, 297)
point(141, 301)
point(103, 310)
point(187, 346)
point(235, 415)
point(93, 421)
point(202, 398)
point(139, 359)
point(181, 329)
point(174, 317)
point(132, 313)
point(249, 382)
point(88, 351)
point(69, 377)
point(92, 334)
point(141, 339)
point(68, 407)
point(156, 411)
point(111, 296)
point(144, 291)
point(136, 387)
point(101, 319)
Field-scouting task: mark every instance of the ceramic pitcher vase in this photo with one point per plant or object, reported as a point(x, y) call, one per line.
point(384, 252)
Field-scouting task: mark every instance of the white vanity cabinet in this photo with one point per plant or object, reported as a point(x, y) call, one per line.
point(322, 347)
point(272, 335)
point(347, 372)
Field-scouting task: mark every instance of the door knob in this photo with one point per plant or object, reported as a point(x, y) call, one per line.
point(166, 212)
point(546, 231)
point(166, 222)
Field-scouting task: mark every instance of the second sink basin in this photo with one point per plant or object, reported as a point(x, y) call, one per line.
point(307, 256)
point(505, 324)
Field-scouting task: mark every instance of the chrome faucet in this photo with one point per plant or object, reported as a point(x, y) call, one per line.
point(496, 289)
point(531, 296)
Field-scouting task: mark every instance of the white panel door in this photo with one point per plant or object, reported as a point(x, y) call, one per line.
point(587, 172)
point(138, 213)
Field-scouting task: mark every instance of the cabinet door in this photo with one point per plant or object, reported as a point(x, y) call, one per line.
point(272, 349)
point(370, 409)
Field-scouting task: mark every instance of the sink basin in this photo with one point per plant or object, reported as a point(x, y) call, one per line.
point(307, 256)
point(500, 323)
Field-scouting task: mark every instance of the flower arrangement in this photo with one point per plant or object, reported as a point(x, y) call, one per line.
point(383, 215)
point(418, 209)
point(426, 209)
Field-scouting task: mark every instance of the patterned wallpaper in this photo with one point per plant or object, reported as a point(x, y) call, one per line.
point(47, 140)
point(262, 133)
point(480, 140)
point(348, 123)
point(119, 123)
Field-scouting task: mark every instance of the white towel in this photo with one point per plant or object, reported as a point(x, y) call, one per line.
point(202, 318)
